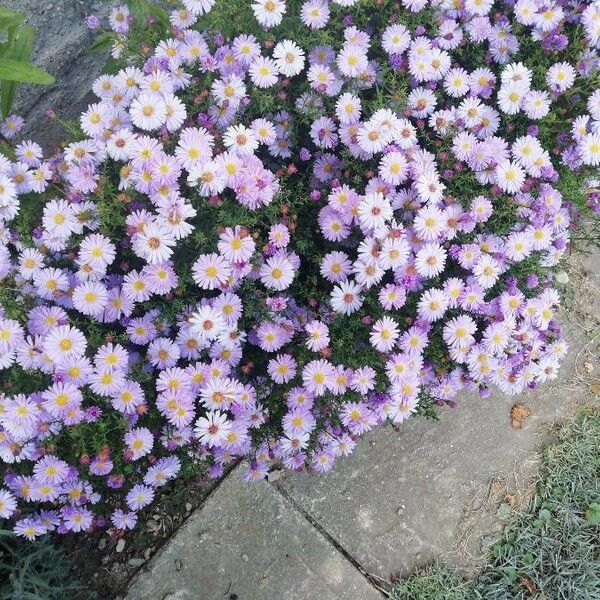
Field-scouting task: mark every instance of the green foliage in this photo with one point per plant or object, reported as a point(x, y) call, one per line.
point(431, 583)
point(34, 572)
point(15, 55)
point(551, 551)
point(150, 24)
point(555, 545)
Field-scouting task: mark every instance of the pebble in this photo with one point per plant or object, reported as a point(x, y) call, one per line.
point(102, 544)
point(188, 507)
point(136, 562)
point(245, 557)
point(178, 565)
point(204, 535)
point(148, 552)
point(562, 277)
point(120, 545)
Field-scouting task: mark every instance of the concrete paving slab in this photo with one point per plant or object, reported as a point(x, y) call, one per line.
point(404, 499)
point(247, 542)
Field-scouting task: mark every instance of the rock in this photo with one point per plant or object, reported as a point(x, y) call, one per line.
point(562, 277)
point(204, 535)
point(120, 545)
point(102, 544)
point(178, 565)
point(60, 47)
point(136, 562)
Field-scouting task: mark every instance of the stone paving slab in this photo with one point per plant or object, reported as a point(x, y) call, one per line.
point(247, 542)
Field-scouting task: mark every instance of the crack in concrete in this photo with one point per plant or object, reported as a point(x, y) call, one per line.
point(372, 579)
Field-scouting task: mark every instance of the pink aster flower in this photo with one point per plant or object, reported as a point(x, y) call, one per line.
point(123, 520)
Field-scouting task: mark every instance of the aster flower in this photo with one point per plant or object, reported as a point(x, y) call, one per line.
point(384, 334)
point(430, 260)
point(139, 441)
point(277, 273)
point(8, 504)
point(264, 72)
point(206, 323)
point(318, 336)
point(64, 341)
point(210, 271)
point(289, 58)
point(269, 12)
point(282, 368)
point(154, 243)
point(212, 430)
point(316, 376)
point(123, 520)
point(139, 496)
point(346, 298)
point(29, 528)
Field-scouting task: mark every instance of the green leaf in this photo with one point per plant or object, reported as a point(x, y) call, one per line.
point(16, 70)
point(20, 47)
point(142, 9)
point(101, 43)
point(544, 515)
point(8, 18)
point(592, 514)
point(528, 558)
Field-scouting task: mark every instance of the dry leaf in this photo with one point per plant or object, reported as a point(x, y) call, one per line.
point(518, 414)
point(513, 501)
point(595, 388)
point(529, 585)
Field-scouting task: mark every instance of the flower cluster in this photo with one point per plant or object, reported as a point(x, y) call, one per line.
point(266, 247)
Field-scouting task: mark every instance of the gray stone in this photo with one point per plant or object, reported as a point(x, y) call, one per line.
point(247, 541)
point(136, 562)
point(61, 48)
